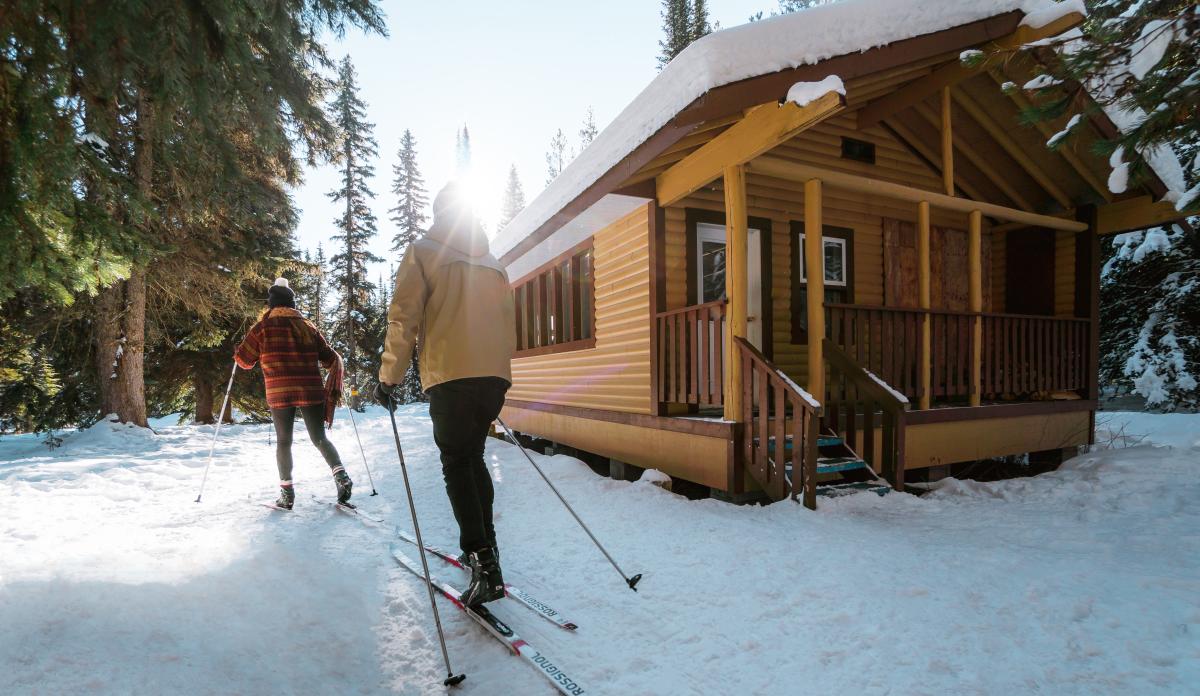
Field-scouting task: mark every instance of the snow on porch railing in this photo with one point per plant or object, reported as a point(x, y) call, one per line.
point(691, 355)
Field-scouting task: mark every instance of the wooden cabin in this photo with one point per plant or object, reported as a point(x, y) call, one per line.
point(747, 291)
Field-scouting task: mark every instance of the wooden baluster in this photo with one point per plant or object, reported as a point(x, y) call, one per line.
point(764, 427)
point(747, 406)
point(812, 432)
point(781, 453)
point(887, 468)
point(868, 449)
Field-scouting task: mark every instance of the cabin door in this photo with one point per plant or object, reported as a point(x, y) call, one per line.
point(710, 267)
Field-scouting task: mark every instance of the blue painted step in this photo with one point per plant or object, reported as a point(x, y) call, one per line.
point(829, 465)
point(842, 489)
point(823, 441)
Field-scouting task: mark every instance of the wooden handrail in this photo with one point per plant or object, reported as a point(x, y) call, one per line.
point(780, 428)
point(918, 310)
point(707, 305)
point(887, 397)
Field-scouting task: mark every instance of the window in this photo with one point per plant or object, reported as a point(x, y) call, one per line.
point(555, 306)
point(710, 262)
point(858, 150)
point(838, 246)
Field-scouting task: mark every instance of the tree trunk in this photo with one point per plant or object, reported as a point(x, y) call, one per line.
point(227, 417)
point(120, 332)
point(204, 400)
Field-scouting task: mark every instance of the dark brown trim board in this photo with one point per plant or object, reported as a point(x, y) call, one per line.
point(582, 344)
point(733, 98)
point(691, 426)
point(970, 413)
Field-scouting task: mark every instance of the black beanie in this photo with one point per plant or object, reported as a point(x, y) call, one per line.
point(280, 295)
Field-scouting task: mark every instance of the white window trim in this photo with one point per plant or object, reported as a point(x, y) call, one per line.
point(840, 242)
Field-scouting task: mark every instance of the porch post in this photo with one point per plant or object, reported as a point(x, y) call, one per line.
point(926, 399)
point(947, 145)
point(975, 298)
point(736, 285)
point(814, 271)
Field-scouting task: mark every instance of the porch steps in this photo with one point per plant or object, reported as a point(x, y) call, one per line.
point(838, 490)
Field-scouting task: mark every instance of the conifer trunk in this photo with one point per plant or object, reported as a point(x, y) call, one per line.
point(204, 399)
point(121, 308)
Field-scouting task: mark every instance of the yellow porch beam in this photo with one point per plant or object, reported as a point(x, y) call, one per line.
point(1135, 214)
point(921, 89)
point(736, 284)
point(947, 145)
point(763, 128)
point(975, 301)
point(923, 292)
point(794, 171)
point(814, 271)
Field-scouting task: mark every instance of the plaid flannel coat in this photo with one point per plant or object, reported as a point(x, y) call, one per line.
point(289, 348)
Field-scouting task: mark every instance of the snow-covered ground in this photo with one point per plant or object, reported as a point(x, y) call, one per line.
point(1082, 581)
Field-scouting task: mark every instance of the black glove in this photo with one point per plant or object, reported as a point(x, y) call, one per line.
point(383, 395)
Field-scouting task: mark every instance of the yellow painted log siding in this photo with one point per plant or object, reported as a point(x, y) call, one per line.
point(615, 375)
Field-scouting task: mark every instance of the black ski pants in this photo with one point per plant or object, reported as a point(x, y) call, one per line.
point(462, 410)
point(314, 421)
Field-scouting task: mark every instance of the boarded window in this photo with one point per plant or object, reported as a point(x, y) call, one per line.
point(556, 307)
point(948, 267)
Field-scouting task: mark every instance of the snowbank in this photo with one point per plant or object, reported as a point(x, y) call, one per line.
point(113, 581)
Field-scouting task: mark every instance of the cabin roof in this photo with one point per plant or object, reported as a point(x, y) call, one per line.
point(754, 63)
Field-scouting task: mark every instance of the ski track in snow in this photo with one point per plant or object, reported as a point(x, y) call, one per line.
point(112, 580)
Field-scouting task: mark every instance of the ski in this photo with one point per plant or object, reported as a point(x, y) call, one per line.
point(349, 509)
point(497, 629)
point(529, 601)
point(275, 507)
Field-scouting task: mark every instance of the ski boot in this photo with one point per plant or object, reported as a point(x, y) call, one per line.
point(342, 480)
point(487, 582)
point(287, 497)
point(464, 558)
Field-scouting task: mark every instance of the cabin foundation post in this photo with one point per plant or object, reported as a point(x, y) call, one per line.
point(736, 284)
point(926, 394)
point(623, 471)
point(814, 271)
point(975, 299)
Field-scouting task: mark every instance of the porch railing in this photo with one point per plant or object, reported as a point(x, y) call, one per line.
point(1021, 354)
point(780, 429)
point(691, 354)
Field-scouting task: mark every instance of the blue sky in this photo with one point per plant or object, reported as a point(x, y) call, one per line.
point(514, 72)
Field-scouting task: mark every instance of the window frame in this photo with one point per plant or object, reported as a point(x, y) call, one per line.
point(560, 293)
point(799, 290)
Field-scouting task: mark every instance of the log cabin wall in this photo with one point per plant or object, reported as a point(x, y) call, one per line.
point(615, 374)
point(783, 202)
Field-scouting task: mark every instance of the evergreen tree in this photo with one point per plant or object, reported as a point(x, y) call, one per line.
point(587, 133)
point(677, 29)
point(514, 198)
point(106, 154)
point(462, 152)
point(1137, 58)
point(556, 156)
point(790, 6)
point(700, 24)
point(411, 197)
point(1150, 315)
point(356, 226)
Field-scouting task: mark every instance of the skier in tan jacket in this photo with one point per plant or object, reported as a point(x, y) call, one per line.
point(453, 297)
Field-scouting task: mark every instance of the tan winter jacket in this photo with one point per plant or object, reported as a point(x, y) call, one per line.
point(454, 294)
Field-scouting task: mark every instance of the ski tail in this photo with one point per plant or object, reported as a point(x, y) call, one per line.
point(530, 602)
point(499, 630)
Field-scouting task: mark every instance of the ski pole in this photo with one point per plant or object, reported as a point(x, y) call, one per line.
point(632, 582)
point(452, 679)
point(220, 418)
point(354, 425)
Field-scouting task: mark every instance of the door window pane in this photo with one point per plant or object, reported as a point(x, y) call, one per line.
point(712, 271)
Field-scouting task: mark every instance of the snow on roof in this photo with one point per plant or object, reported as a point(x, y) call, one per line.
point(753, 49)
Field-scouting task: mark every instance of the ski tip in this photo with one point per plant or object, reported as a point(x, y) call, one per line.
point(634, 581)
point(454, 679)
